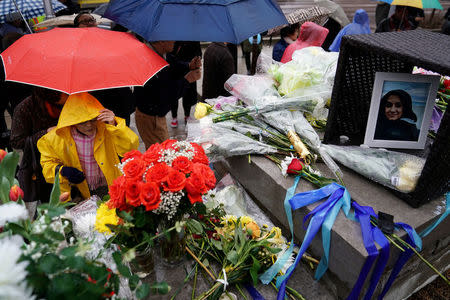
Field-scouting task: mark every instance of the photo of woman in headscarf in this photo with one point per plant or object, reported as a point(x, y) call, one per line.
point(396, 119)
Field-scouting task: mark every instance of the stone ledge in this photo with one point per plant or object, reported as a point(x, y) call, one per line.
point(263, 180)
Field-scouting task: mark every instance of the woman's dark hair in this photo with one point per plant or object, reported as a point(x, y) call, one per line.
point(288, 30)
point(48, 95)
point(76, 21)
point(406, 101)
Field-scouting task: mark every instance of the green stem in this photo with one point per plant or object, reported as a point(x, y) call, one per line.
point(238, 286)
point(295, 293)
point(422, 258)
point(195, 282)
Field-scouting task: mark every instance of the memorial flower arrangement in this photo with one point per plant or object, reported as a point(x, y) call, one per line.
point(157, 189)
point(44, 259)
point(242, 248)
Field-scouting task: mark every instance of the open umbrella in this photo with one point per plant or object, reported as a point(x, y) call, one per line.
point(196, 20)
point(74, 60)
point(29, 8)
point(416, 3)
point(68, 20)
point(318, 15)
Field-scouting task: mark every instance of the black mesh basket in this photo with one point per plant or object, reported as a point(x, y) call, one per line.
point(360, 57)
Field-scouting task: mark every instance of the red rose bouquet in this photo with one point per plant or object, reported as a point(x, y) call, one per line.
point(157, 188)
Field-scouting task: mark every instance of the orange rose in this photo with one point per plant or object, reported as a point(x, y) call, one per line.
point(158, 173)
point(175, 181)
point(200, 156)
point(134, 169)
point(182, 164)
point(207, 174)
point(152, 154)
point(117, 194)
point(132, 192)
point(168, 144)
point(132, 154)
point(150, 196)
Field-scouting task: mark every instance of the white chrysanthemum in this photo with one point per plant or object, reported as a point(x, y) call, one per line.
point(12, 272)
point(84, 226)
point(12, 212)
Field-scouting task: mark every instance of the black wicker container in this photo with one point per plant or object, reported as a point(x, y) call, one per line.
point(360, 57)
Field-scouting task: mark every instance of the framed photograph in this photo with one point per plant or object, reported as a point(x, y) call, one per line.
point(400, 110)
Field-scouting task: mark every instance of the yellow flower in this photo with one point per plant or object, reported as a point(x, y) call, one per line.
point(245, 220)
point(201, 110)
point(277, 232)
point(105, 216)
point(409, 174)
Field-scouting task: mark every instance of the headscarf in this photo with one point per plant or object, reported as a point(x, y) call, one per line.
point(360, 25)
point(310, 35)
point(406, 101)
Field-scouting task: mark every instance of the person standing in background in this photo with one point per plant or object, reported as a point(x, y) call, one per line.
point(186, 51)
point(218, 67)
point(381, 12)
point(289, 35)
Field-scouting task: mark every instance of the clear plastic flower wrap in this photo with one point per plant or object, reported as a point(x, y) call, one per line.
point(286, 120)
point(221, 141)
point(311, 70)
point(396, 170)
point(250, 88)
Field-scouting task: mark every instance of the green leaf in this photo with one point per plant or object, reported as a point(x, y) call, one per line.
point(126, 216)
point(232, 257)
point(273, 250)
point(8, 166)
point(75, 262)
point(133, 282)
point(194, 226)
point(140, 220)
point(50, 263)
point(17, 229)
point(5, 186)
point(69, 251)
point(56, 192)
point(123, 270)
point(160, 288)
point(55, 211)
point(216, 244)
point(55, 235)
point(200, 208)
point(254, 270)
point(142, 291)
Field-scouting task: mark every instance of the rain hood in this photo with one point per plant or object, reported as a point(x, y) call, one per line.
point(311, 34)
point(360, 25)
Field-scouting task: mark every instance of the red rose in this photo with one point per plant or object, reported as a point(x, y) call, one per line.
point(152, 154)
point(15, 192)
point(295, 167)
point(207, 174)
point(150, 195)
point(134, 169)
point(447, 84)
point(175, 181)
point(132, 192)
point(200, 156)
point(158, 173)
point(195, 198)
point(132, 154)
point(195, 187)
point(2, 154)
point(117, 194)
point(168, 144)
point(182, 164)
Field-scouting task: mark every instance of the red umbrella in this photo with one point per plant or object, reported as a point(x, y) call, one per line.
point(74, 60)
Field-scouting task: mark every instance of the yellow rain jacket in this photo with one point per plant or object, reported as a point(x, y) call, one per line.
point(57, 147)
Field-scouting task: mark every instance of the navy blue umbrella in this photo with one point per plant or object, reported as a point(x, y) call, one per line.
point(196, 20)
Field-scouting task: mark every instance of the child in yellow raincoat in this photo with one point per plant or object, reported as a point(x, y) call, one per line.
point(85, 146)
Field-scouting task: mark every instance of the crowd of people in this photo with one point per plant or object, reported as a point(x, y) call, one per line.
point(84, 145)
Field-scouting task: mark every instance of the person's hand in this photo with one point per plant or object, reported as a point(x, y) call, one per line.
point(193, 75)
point(64, 197)
point(72, 174)
point(195, 63)
point(51, 128)
point(106, 116)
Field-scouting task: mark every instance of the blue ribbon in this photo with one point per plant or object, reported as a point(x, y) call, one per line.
point(318, 217)
point(414, 240)
point(253, 292)
point(438, 221)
